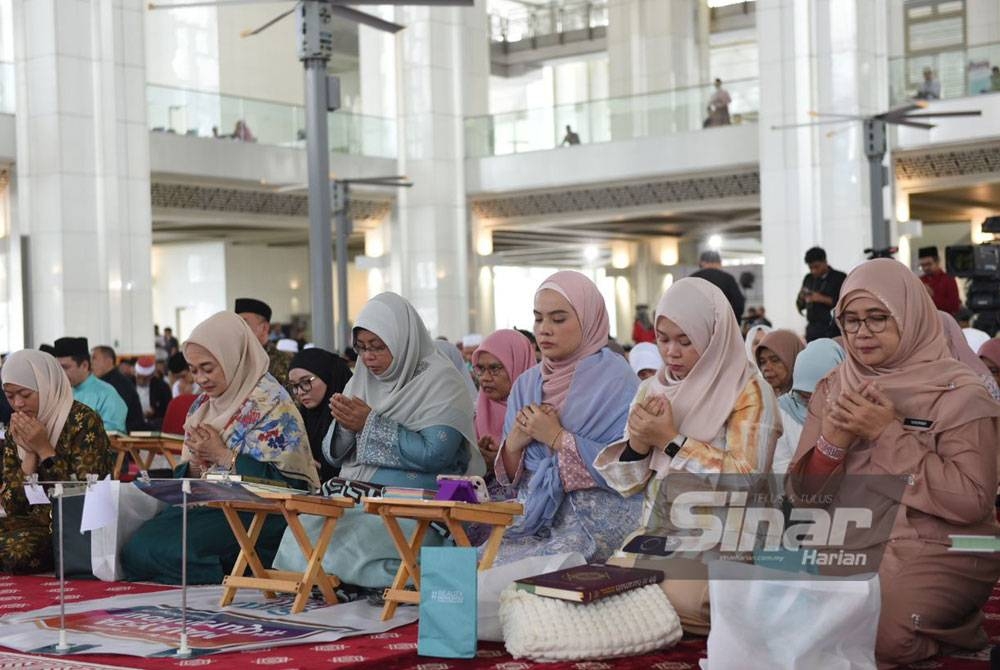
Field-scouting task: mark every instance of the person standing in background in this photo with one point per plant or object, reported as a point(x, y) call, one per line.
point(943, 287)
point(820, 292)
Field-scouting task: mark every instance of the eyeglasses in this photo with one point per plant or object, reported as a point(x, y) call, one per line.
point(302, 386)
point(495, 370)
point(876, 323)
point(377, 351)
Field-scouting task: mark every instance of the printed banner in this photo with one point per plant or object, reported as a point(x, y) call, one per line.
point(149, 624)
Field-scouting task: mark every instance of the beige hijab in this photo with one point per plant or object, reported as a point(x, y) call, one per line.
point(229, 339)
point(921, 378)
point(40, 372)
point(785, 344)
point(703, 401)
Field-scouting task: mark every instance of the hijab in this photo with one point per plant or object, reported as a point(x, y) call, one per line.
point(645, 356)
point(703, 401)
point(785, 344)
point(333, 371)
point(991, 352)
point(516, 353)
point(751, 334)
point(811, 365)
point(229, 339)
point(40, 372)
point(588, 304)
point(452, 353)
point(921, 378)
point(961, 351)
point(421, 388)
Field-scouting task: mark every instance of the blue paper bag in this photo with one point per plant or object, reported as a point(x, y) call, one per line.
point(448, 583)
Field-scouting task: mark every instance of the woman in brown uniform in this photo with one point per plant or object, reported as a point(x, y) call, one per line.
point(899, 405)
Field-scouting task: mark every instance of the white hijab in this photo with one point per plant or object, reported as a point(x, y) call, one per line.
point(748, 342)
point(421, 388)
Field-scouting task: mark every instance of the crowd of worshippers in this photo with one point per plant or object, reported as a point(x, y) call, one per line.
point(584, 438)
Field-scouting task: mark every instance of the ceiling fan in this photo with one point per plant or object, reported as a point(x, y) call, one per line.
point(875, 148)
point(313, 32)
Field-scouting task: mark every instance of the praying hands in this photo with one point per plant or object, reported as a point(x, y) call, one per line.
point(651, 425)
point(351, 413)
point(858, 414)
point(208, 449)
point(29, 434)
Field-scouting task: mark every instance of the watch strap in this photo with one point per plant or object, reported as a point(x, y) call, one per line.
point(47, 463)
point(675, 445)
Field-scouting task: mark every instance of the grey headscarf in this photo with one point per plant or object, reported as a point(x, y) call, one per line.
point(421, 388)
point(452, 353)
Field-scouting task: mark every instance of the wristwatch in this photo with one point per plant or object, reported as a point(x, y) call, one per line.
point(675, 445)
point(47, 463)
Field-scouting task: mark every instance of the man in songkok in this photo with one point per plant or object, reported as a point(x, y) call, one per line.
point(257, 314)
point(73, 355)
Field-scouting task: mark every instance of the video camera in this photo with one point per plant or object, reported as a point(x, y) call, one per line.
point(981, 264)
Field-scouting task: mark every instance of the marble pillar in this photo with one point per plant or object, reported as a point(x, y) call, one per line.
point(825, 56)
point(83, 171)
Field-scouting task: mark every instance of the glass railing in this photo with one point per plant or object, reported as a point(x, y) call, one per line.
point(7, 101)
point(212, 115)
point(955, 73)
point(609, 120)
point(548, 20)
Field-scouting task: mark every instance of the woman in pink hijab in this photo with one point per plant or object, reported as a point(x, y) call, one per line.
point(901, 411)
point(706, 412)
point(560, 414)
point(497, 363)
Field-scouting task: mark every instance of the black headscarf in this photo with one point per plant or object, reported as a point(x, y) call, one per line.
point(335, 374)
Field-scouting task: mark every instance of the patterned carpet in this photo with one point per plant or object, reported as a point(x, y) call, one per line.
point(395, 650)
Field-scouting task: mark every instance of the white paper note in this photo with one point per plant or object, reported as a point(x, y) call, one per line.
point(35, 494)
point(98, 506)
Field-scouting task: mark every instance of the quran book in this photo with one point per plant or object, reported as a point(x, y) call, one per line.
point(156, 433)
point(586, 583)
point(408, 493)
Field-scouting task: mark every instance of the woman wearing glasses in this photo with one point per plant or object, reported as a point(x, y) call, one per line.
point(899, 405)
point(314, 375)
point(404, 418)
point(497, 363)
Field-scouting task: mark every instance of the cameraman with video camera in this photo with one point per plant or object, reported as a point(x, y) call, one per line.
point(818, 295)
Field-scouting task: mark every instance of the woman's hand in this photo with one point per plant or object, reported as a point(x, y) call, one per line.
point(541, 423)
point(869, 411)
point(351, 413)
point(651, 425)
point(29, 433)
point(488, 448)
point(207, 447)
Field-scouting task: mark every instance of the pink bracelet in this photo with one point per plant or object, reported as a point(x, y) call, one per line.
point(830, 450)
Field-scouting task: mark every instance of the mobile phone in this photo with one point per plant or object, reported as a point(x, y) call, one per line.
point(478, 484)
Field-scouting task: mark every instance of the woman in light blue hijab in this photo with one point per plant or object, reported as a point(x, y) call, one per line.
point(811, 365)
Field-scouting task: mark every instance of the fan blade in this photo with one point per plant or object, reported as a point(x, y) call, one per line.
point(207, 3)
point(810, 123)
point(901, 110)
point(365, 19)
point(853, 117)
point(260, 29)
point(911, 124)
point(930, 115)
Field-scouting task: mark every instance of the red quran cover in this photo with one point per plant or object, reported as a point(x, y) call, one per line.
point(586, 583)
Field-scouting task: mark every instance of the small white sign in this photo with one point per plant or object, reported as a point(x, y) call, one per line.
point(35, 494)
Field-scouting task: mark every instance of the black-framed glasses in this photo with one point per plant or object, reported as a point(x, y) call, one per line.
point(495, 370)
point(302, 386)
point(876, 323)
point(362, 349)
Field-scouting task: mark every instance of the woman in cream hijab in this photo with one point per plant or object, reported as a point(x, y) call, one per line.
point(706, 412)
point(51, 436)
point(243, 422)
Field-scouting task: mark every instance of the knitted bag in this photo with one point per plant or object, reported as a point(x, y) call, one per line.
point(549, 629)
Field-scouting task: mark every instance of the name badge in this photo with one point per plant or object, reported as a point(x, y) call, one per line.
point(918, 424)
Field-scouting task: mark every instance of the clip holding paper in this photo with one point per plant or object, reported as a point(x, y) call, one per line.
point(144, 476)
point(91, 480)
point(186, 486)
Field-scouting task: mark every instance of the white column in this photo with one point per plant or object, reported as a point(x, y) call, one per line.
point(83, 170)
point(430, 237)
point(826, 56)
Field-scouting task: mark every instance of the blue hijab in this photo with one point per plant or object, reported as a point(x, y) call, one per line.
point(811, 365)
point(595, 412)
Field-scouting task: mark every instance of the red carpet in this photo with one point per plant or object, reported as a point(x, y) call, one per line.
point(395, 650)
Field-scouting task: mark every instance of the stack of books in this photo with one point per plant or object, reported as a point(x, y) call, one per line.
point(587, 583)
point(408, 493)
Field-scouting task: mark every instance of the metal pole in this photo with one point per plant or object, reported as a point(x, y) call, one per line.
point(318, 159)
point(875, 148)
point(63, 645)
point(342, 190)
point(183, 651)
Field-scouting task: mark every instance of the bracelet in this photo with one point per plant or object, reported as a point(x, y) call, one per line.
point(556, 441)
point(830, 450)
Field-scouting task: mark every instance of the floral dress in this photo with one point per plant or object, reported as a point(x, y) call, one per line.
point(26, 530)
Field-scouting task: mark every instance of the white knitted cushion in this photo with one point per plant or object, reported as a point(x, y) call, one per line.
point(548, 629)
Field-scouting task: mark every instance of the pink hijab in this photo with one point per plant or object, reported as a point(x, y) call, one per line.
point(703, 401)
point(516, 353)
point(588, 304)
point(959, 347)
point(921, 378)
point(991, 352)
